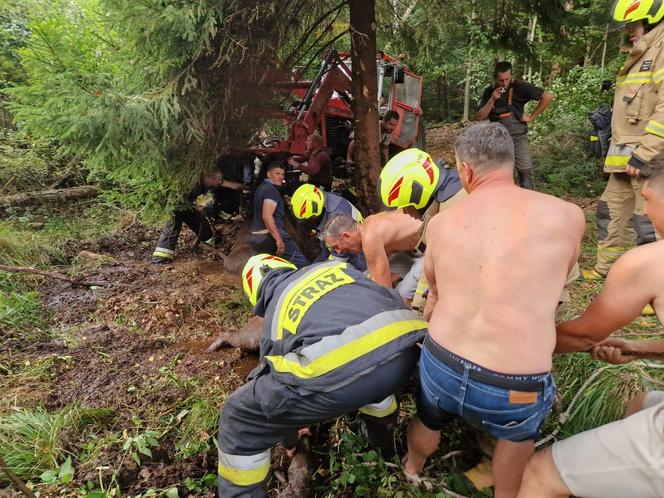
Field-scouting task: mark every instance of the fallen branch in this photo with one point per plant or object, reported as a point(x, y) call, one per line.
point(57, 276)
point(16, 480)
point(49, 196)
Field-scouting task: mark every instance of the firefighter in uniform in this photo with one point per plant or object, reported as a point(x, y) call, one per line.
point(197, 216)
point(329, 334)
point(412, 179)
point(637, 134)
point(309, 201)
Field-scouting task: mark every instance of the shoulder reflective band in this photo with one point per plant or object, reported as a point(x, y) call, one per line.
point(301, 294)
point(382, 409)
point(356, 215)
point(335, 351)
point(244, 470)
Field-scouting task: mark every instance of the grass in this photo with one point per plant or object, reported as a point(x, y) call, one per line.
point(197, 429)
point(21, 314)
point(31, 441)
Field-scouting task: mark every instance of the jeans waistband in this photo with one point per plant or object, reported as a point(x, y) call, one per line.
point(527, 383)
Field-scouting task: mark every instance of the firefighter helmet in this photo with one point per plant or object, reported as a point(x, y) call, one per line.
point(408, 179)
point(626, 11)
point(256, 269)
point(307, 201)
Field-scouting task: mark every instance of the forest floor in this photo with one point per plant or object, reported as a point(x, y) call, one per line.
point(109, 390)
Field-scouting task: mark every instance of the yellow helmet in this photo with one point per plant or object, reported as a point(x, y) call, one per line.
point(408, 179)
point(307, 201)
point(626, 11)
point(256, 268)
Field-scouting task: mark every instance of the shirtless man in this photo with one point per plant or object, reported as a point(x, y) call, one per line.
point(496, 263)
point(380, 236)
point(624, 458)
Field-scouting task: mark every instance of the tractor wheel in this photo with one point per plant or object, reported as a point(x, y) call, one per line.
point(420, 141)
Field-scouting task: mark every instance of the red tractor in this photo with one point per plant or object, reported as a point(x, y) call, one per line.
point(324, 104)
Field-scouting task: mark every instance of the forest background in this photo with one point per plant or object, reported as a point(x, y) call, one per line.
point(140, 97)
point(108, 391)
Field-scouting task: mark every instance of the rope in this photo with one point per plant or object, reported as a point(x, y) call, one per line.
point(565, 416)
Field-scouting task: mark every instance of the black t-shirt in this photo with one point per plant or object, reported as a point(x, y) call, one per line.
point(267, 191)
point(223, 199)
point(522, 93)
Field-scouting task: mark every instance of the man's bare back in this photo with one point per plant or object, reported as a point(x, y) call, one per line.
point(393, 231)
point(383, 234)
point(497, 262)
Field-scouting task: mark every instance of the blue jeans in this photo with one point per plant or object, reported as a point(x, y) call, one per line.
point(264, 243)
point(511, 407)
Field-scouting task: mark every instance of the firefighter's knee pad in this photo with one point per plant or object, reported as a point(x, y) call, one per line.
point(645, 231)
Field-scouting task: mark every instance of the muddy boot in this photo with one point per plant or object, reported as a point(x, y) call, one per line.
point(380, 432)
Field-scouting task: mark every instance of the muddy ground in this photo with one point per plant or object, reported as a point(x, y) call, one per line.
point(136, 349)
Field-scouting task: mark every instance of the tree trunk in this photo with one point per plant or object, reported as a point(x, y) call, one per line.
point(365, 98)
point(49, 196)
point(606, 38)
point(532, 26)
point(466, 95)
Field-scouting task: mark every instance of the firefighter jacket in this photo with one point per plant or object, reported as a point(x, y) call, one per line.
point(638, 107)
point(448, 192)
point(328, 325)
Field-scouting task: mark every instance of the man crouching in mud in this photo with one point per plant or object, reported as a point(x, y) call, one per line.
point(329, 334)
point(496, 263)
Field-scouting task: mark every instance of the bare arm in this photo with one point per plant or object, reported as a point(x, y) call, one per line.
point(296, 161)
point(621, 301)
point(618, 351)
point(545, 101)
point(377, 263)
point(430, 274)
point(310, 168)
point(232, 185)
point(486, 109)
point(269, 207)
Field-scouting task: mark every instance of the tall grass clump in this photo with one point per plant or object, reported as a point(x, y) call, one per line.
point(197, 430)
point(593, 393)
point(31, 441)
point(24, 248)
point(21, 314)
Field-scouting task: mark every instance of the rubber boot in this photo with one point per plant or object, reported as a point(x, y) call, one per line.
point(380, 432)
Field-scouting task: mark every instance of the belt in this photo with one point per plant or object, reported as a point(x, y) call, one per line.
point(484, 376)
point(505, 115)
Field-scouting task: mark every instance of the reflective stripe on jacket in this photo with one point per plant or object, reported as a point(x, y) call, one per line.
point(328, 325)
point(638, 107)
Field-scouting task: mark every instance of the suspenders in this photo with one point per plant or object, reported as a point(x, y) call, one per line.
point(509, 103)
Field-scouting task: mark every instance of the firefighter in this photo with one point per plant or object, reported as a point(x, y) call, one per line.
point(411, 180)
point(504, 103)
point(637, 134)
point(329, 333)
point(198, 216)
point(309, 201)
